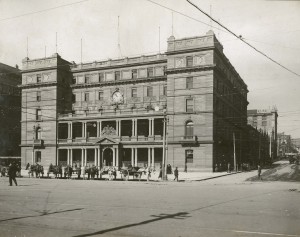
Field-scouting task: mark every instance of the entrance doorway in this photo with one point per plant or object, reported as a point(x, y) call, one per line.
point(108, 157)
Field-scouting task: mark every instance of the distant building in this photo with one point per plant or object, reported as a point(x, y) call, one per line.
point(265, 120)
point(286, 144)
point(257, 147)
point(10, 111)
point(296, 144)
point(113, 112)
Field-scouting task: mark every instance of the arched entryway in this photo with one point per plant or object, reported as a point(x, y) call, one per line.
point(108, 157)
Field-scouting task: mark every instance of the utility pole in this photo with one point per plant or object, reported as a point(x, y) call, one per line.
point(164, 149)
point(259, 144)
point(234, 156)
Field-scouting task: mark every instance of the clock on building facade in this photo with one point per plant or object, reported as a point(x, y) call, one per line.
point(117, 97)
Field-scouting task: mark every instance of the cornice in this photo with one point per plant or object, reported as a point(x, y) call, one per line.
point(190, 69)
point(119, 82)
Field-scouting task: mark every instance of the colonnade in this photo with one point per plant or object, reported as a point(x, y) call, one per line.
point(98, 125)
point(99, 159)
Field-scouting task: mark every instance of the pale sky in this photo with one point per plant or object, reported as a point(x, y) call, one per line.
point(271, 26)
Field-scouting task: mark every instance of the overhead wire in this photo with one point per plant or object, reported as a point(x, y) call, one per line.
point(242, 39)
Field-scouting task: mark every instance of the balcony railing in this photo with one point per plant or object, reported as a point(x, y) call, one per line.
point(189, 139)
point(38, 142)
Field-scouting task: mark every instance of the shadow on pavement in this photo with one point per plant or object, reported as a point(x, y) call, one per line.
point(179, 215)
point(44, 213)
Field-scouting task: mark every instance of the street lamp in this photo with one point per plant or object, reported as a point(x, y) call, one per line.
point(164, 173)
point(33, 137)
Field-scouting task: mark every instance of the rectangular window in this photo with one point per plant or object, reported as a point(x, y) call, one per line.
point(86, 96)
point(38, 96)
point(73, 98)
point(87, 79)
point(134, 73)
point(74, 80)
point(38, 78)
point(189, 156)
point(101, 77)
point(100, 95)
point(38, 156)
point(165, 70)
point(133, 92)
point(38, 114)
point(150, 72)
point(165, 90)
point(189, 105)
point(149, 91)
point(117, 75)
point(189, 83)
point(189, 61)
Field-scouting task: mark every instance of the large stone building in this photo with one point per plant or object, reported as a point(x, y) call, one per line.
point(10, 111)
point(113, 113)
point(266, 120)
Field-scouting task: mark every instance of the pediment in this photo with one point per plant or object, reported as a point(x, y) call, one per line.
point(107, 141)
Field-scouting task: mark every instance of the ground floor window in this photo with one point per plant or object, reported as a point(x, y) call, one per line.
point(38, 156)
point(189, 156)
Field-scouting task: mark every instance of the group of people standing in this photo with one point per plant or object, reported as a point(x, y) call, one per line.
point(169, 171)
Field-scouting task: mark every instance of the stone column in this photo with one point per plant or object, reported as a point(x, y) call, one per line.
point(152, 157)
point(68, 156)
point(114, 156)
point(135, 157)
point(95, 157)
point(120, 128)
point(82, 156)
point(149, 157)
point(117, 157)
point(99, 160)
point(98, 130)
point(71, 157)
point(135, 127)
point(132, 156)
point(85, 156)
point(152, 127)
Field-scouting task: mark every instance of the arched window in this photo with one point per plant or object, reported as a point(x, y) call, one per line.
point(38, 133)
point(189, 129)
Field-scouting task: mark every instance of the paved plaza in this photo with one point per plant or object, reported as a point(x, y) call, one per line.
point(224, 206)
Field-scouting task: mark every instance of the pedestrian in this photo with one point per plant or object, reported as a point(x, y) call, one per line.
point(12, 169)
point(160, 172)
point(148, 173)
point(176, 174)
point(228, 168)
point(259, 172)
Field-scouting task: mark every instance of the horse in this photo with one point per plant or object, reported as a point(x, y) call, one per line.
point(68, 172)
point(3, 171)
point(56, 170)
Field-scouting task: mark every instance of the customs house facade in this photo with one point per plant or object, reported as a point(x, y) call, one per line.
point(187, 102)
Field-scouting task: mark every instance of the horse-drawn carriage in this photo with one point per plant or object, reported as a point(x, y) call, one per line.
point(135, 172)
point(36, 169)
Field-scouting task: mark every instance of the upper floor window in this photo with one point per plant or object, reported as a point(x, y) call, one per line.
point(38, 133)
point(189, 129)
point(189, 105)
point(134, 73)
point(100, 95)
point(74, 80)
point(101, 77)
point(86, 96)
point(189, 83)
point(189, 61)
point(133, 92)
point(117, 75)
point(87, 79)
point(165, 70)
point(38, 78)
point(38, 96)
point(149, 91)
point(150, 72)
point(38, 114)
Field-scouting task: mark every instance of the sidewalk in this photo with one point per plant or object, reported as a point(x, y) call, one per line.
point(183, 176)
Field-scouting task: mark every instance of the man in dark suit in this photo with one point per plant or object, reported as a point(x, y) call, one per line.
point(12, 170)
